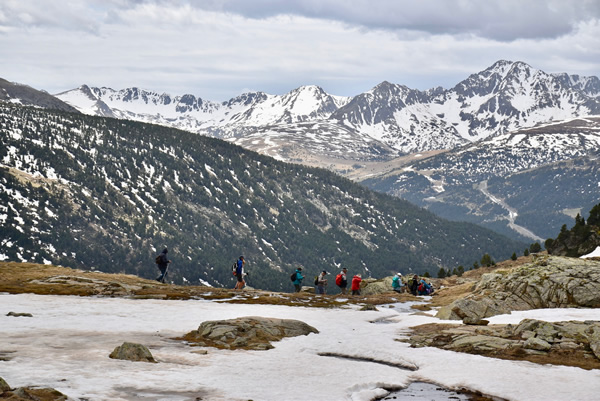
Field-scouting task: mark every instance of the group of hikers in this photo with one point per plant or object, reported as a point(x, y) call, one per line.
point(414, 285)
point(341, 281)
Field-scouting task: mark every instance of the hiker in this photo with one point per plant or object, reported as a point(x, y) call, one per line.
point(239, 274)
point(356, 284)
point(397, 284)
point(163, 264)
point(341, 280)
point(413, 284)
point(298, 279)
point(322, 282)
point(424, 288)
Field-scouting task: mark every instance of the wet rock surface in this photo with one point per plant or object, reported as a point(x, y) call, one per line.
point(250, 332)
point(547, 282)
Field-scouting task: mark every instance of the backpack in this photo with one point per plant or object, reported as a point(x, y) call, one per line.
point(158, 259)
point(338, 279)
point(293, 276)
point(317, 280)
point(421, 288)
point(234, 268)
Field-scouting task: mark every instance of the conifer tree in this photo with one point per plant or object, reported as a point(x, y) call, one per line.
point(535, 247)
point(486, 260)
point(594, 218)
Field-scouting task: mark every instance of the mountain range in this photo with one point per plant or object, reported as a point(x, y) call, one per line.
point(504, 97)
point(492, 128)
point(526, 183)
point(108, 194)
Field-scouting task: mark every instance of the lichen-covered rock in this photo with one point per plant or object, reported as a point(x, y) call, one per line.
point(250, 332)
point(547, 282)
point(537, 344)
point(132, 352)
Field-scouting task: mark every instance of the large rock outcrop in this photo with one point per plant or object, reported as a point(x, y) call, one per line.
point(547, 282)
point(570, 343)
point(250, 332)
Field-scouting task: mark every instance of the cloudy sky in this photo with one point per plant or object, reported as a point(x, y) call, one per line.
point(217, 49)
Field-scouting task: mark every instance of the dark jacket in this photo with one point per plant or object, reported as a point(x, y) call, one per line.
point(164, 261)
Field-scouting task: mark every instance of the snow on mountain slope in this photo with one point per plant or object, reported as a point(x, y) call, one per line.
point(534, 174)
point(516, 151)
point(313, 141)
point(194, 114)
point(502, 98)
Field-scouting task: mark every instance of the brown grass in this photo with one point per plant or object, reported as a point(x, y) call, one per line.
point(16, 278)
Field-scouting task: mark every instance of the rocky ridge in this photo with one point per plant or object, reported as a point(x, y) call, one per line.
point(547, 282)
point(566, 343)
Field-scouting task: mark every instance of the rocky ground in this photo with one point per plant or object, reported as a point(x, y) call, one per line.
point(536, 281)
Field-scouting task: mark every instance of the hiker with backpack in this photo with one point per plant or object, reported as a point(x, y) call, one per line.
point(321, 282)
point(424, 288)
point(297, 278)
point(413, 284)
point(356, 284)
point(397, 284)
point(341, 280)
point(163, 265)
point(239, 274)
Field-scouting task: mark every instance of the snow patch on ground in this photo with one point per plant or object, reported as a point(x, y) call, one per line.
point(65, 345)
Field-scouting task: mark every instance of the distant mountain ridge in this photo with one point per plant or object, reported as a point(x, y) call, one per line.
point(25, 95)
point(504, 97)
point(531, 181)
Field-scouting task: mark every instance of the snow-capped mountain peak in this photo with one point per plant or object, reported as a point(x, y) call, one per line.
point(506, 96)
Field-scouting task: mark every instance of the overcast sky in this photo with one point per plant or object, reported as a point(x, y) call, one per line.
point(218, 49)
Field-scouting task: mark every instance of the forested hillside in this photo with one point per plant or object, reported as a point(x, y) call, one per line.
point(108, 194)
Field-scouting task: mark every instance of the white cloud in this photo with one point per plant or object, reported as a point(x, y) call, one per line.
point(217, 49)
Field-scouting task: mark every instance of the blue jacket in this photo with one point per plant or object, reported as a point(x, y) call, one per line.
point(396, 282)
point(299, 277)
point(240, 268)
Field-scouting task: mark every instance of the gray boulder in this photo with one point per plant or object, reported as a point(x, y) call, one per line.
point(3, 386)
point(132, 352)
point(547, 282)
point(250, 332)
point(374, 287)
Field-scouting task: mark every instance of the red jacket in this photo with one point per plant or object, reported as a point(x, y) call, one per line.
point(356, 283)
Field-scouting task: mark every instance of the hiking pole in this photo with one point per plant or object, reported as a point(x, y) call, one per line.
point(165, 275)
